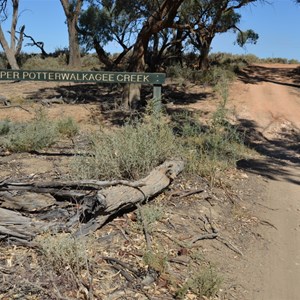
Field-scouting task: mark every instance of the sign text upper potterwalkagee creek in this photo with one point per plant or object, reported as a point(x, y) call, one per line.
point(109, 77)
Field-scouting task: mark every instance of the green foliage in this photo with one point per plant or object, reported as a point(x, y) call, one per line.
point(237, 61)
point(293, 61)
point(3, 61)
point(225, 59)
point(156, 260)
point(63, 252)
point(184, 74)
point(210, 76)
point(67, 127)
point(149, 214)
point(108, 21)
point(212, 148)
point(215, 74)
point(95, 21)
point(279, 60)
point(128, 152)
point(205, 283)
point(5, 127)
point(35, 135)
point(245, 37)
point(48, 63)
point(90, 62)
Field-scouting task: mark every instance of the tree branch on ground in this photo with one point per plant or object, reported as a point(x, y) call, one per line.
point(78, 207)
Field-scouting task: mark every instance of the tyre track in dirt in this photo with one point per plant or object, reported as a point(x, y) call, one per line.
point(266, 101)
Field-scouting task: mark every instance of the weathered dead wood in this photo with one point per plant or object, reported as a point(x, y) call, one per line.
point(118, 198)
point(49, 102)
point(52, 187)
point(16, 106)
point(25, 201)
point(75, 206)
point(14, 226)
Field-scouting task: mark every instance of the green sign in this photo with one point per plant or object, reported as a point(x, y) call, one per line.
point(107, 77)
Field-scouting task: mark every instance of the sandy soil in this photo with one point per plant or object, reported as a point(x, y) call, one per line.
point(266, 99)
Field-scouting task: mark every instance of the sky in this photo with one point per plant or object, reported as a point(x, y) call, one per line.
point(277, 23)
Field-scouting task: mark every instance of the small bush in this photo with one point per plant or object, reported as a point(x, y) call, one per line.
point(216, 73)
point(35, 135)
point(67, 127)
point(149, 215)
point(63, 252)
point(293, 61)
point(206, 283)
point(212, 148)
point(90, 61)
point(129, 152)
point(278, 60)
point(5, 127)
point(156, 260)
point(3, 61)
point(183, 74)
point(48, 63)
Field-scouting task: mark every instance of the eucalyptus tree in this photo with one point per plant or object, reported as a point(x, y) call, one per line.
point(161, 16)
point(72, 9)
point(13, 49)
point(206, 18)
point(107, 21)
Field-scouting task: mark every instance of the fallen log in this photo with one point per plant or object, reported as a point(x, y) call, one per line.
point(78, 207)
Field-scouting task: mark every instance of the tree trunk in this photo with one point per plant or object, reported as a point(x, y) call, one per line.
point(102, 56)
point(47, 206)
point(162, 18)
point(72, 14)
point(74, 49)
point(203, 63)
point(11, 51)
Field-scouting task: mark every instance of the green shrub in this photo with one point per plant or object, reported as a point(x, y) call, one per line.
point(212, 148)
point(210, 76)
point(293, 61)
point(157, 261)
point(63, 252)
point(5, 127)
point(213, 75)
point(278, 60)
point(206, 283)
point(3, 61)
point(129, 152)
point(48, 63)
point(67, 127)
point(149, 215)
point(90, 61)
point(35, 135)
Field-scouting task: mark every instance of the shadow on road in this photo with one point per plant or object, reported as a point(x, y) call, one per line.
point(277, 75)
point(278, 153)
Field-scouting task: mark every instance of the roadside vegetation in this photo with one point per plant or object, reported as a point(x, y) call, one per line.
point(38, 134)
point(146, 140)
point(130, 151)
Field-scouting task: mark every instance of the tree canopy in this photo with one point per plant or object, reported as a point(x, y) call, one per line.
point(150, 33)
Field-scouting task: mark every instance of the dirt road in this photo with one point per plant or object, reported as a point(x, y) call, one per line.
point(266, 99)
